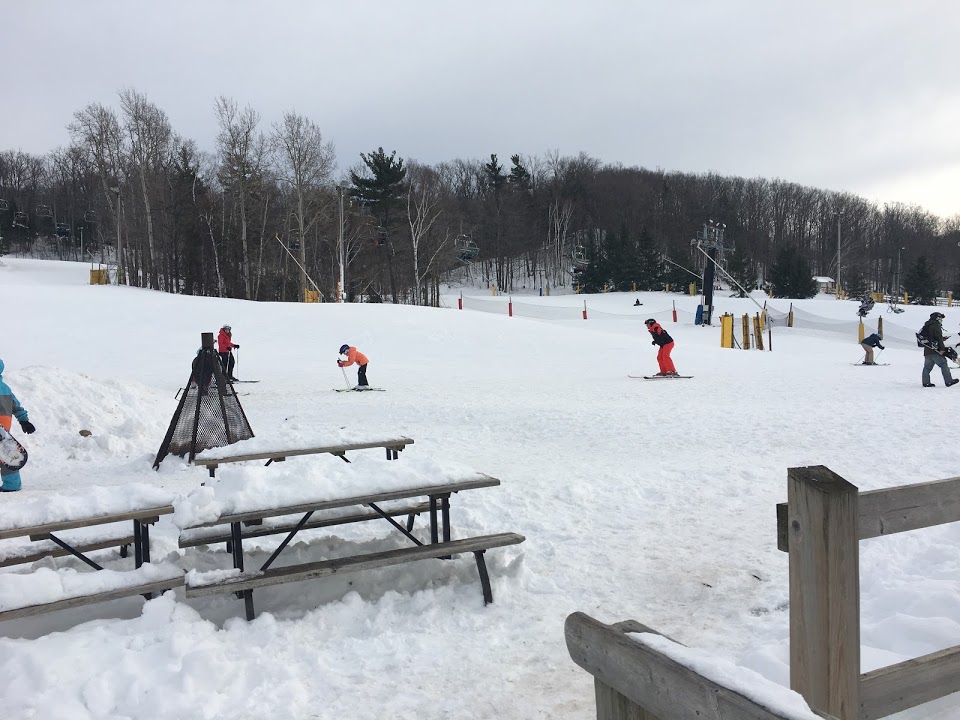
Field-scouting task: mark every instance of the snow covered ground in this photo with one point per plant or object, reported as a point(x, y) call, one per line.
point(646, 500)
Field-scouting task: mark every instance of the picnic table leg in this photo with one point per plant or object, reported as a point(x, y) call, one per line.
point(141, 535)
point(245, 595)
point(445, 515)
point(137, 547)
point(434, 535)
point(484, 577)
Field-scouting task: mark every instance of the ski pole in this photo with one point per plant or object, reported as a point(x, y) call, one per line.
point(344, 374)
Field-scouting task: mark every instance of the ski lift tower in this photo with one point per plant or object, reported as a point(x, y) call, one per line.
point(711, 242)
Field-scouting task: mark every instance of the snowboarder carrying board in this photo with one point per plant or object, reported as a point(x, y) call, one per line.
point(868, 344)
point(662, 339)
point(11, 408)
point(355, 356)
point(931, 339)
point(225, 346)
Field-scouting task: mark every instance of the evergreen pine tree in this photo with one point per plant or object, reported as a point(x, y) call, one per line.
point(383, 189)
point(519, 176)
point(790, 276)
point(856, 283)
point(650, 270)
point(597, 273)
point(920, 282)
point(743, 270)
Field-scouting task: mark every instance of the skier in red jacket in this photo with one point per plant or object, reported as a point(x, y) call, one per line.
point(225, 346)
point(662, 338)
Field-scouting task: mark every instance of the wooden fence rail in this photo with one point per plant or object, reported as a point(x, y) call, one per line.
point(636, 682)
point(820, 526)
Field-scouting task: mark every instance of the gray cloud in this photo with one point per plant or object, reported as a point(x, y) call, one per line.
point(856, 96)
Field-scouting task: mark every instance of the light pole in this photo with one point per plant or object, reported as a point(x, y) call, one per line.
point(839, 214)
point(342, 294)
point(899, 266)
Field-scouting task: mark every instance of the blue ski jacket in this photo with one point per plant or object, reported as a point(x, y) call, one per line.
point(10, 407)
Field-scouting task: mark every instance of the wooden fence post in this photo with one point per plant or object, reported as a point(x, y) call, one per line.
point(822, 522)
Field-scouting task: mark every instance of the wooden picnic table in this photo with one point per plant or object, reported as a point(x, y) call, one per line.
point(44, 534)
point(441, 544)
point(392, 445)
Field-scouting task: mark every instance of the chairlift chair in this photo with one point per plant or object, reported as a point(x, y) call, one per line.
point(466, 248)
point(43, 212)
point(62, 230)
point(380, 238)
point(21, 220)
point(90, 217)
point(4, 206)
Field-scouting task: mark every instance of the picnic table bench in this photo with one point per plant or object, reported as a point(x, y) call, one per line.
point(441, 544)
point(393, 447)
point(84, 588)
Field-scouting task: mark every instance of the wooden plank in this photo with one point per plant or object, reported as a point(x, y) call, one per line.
point(824, 590)
point(355, 563)
point(909, 507)
point(895, 510)
point(660, 685)
point(32, 554)
point(484, 481)
point(905, 685)
point(53, 527)
point(278, 455)
point(32, 610)
point(611, 705)
point(190, 540)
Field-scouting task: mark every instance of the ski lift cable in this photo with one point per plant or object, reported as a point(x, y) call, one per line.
point(699, 277)
point(294, 258)
point(730, 277)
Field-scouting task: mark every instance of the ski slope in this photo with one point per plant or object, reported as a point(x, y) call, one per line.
point(645, 500)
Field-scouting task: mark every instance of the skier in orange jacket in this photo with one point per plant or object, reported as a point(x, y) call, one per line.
point(355, 356)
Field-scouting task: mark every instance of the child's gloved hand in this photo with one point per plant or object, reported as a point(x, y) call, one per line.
point(28, 427)
point(339, 363)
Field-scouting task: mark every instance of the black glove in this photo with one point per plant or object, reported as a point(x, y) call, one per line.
point(339, 363)
point(27, 427)
point(881, 347)
point(235, 345)
point(653, 342)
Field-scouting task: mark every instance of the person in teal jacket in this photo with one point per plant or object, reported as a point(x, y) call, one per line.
point(11, 408)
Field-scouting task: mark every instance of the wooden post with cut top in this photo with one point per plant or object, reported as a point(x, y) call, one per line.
point(824, 590)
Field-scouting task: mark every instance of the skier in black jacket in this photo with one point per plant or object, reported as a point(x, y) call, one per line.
point(934, 350)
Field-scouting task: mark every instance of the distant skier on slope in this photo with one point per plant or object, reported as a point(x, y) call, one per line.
point(355, 356)
point(11, 408)
point(868, 344)
point(662, 339)
point(931, 339)
point(225, 346)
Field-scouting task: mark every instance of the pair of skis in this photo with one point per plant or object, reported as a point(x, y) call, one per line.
point(661, 377)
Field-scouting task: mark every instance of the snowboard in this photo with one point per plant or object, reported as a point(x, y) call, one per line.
point(661, 377)
point(877, 364)
point(13, 455)
point(359, 389)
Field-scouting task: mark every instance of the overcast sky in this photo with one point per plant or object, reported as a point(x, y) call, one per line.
point(854, 95)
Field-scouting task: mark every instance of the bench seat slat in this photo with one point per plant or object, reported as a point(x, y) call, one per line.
point(440, 489)
point(325, 568)
point(32, 553)
point(221, 533)
point(392, 443)
point(47, 528)
point(80, 600)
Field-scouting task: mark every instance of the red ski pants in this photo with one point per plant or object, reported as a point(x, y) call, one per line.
point(663, 358)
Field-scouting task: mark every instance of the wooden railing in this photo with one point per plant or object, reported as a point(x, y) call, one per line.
point(820, 526)
point(635, 682)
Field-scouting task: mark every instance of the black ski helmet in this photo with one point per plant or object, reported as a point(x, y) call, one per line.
point(343, 349)
point(937, 316)
point(649, 321)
